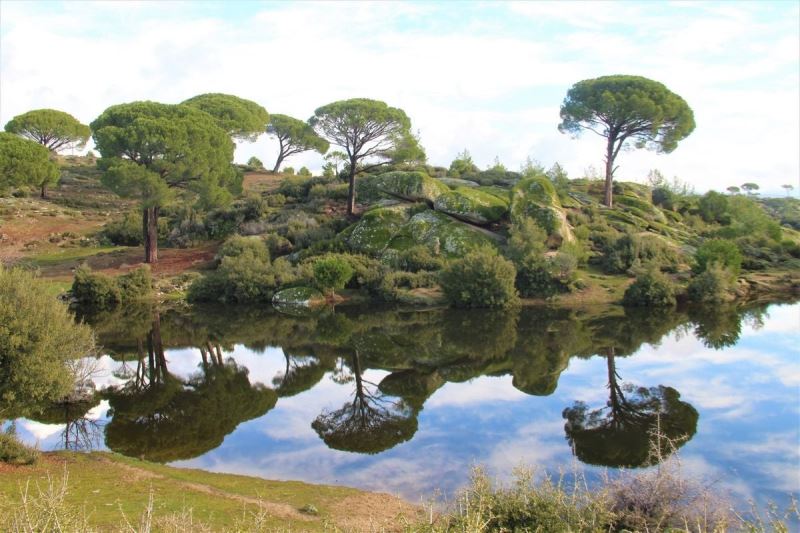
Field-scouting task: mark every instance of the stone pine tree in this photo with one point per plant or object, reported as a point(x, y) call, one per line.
point(53, 129)
point(242, 119)
point(24, 163)
point(370, 132)
point(294, 136)
point(151, 149)
point(626, 111)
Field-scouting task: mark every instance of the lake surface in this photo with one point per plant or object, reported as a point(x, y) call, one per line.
point(405, 401)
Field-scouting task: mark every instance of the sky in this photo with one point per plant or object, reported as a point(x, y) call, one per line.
point(487, 77)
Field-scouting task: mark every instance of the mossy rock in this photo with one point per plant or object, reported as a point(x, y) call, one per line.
point(298, 296)
point(412, 186)
point(472, 205)
point(439, 231)
point(502, 193)
point(458, 182)
point(639, 207)
point(536, 198)
point(376, 228)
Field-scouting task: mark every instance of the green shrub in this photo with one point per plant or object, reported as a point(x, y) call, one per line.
point(651, 289)
point(221, 223)
point(255, 162)
point(126, 231)
point(620, 254)
point(245, 278)
point(332, 191)
point(277, 244)
point(136, 284)
point(418, 258)
point(544, 277)
point(663, 197)
point(392, 284)
point(480, 279)
point(304, 172)
point(275, 200)
point(12, 451)
point(721, 252)
point(288, 170)
point(714, 207)
point(237, 245)
point(96, 290)
point(526, 238)
point(295, 187)
point(332, 273)
point(709, 286)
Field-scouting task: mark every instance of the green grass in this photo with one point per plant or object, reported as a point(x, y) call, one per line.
point(64, 255)
point(106, 486)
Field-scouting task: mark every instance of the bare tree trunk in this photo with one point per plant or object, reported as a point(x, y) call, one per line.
point(44, 190)
point(609, 173)
point(150, 227)
point(277, 163)
point(351, 193)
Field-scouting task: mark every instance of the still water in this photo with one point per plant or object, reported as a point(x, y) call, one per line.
point(406, 401)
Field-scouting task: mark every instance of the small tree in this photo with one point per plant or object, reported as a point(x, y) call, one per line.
point(788, 188)
point(255, 162)
point(750, 188)
point(367, 130)
point(294, 136)
point(24, 162)
point(651, 289)
point(720, 252)
point(150, 149)
point(733, 189)
point(331, 274)
point(626, 110)
point(304, 172)
point(462, 165)
point(53, 129)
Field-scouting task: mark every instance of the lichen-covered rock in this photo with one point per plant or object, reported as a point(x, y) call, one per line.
point(458, 182)
point(638, 207)
point(439, 232)
point(377, 227)
point(537, 198)
point(412, 186)
point(298, 296)
point(472, 205)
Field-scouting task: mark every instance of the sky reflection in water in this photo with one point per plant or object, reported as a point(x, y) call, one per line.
point(450, 388)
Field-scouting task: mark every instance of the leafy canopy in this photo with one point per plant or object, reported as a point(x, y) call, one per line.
point(240, 118)
point(149, 148)
point(363, 127)
point(56, 130)
point(628, 108)
point(294, 136)
point(24, 162)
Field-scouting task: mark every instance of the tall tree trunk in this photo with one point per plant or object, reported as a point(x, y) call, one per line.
point(44, 190)
point(150, 227)
point(609, 173)
point(277, 163)
point(351, 193)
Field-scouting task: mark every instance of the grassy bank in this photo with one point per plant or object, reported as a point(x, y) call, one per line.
point(108, 492)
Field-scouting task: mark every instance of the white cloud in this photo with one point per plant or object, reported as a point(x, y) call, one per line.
point(487, 77)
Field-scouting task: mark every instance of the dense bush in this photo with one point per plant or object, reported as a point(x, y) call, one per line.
point(393, 284)
point(480, 279)
point(332, 273)
point(275, 200)
point(277, 244)
point(526, 238)
point(713, 207)
point(721, 252)
point(255, 162)
point(102, 291)
point(663, 197)
point(709, 286)
point(619, 253)
point(304, 172)
point(125, 231)
point(536, 280)
point(651, 289)
point(97, 290)
point(238, 245)
point(243, 278)
point(417, 258)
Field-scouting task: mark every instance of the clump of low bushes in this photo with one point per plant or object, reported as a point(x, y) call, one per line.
point(651, 289)
point(100, 291)
point(482, 278)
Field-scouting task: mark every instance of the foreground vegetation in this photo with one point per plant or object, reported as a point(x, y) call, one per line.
point(70, 492)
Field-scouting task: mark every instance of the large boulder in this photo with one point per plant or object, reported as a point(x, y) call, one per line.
point(377, 227)
point(440, 232)
point(537, 198)
point(472, 205)
point(454, 183)
point(411, 186)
